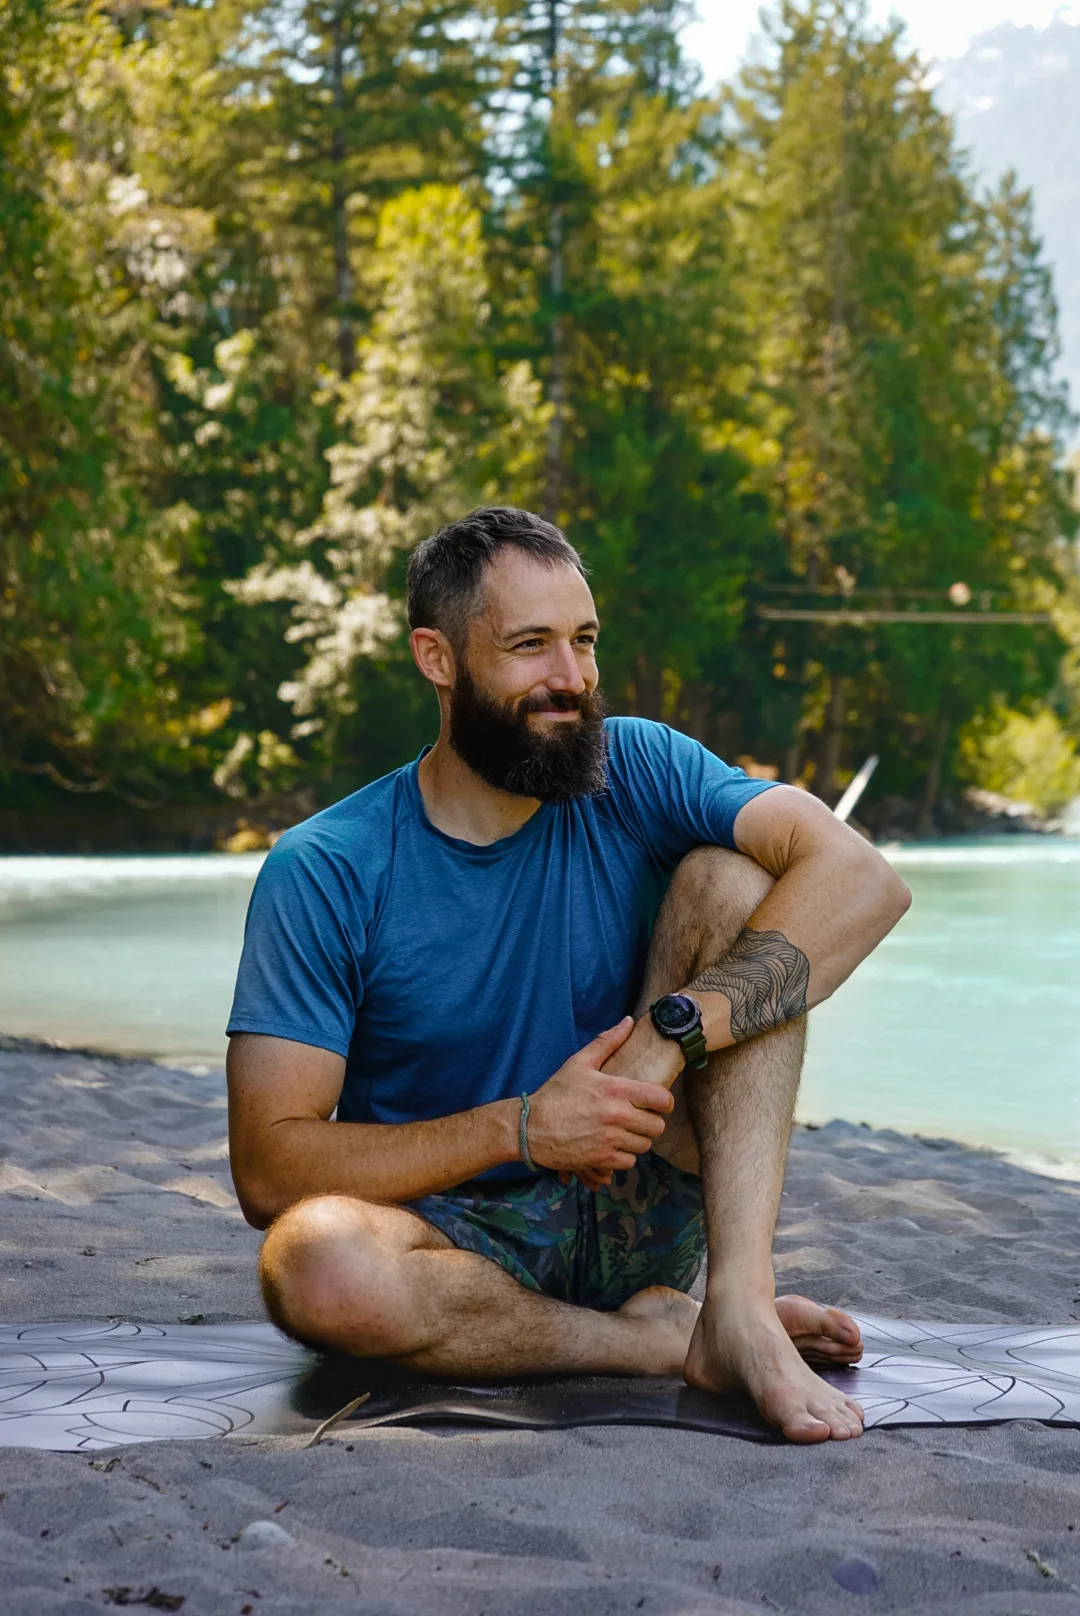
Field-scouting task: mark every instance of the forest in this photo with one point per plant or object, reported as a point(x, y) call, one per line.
point(285, 286)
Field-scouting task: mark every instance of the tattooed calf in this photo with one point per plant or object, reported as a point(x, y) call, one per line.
point(766, 979)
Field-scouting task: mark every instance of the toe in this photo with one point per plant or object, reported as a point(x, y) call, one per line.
point(802, 1426)
point(840, 1326)
point(817, 1330)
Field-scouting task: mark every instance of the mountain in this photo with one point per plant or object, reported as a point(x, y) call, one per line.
point(1015, 96)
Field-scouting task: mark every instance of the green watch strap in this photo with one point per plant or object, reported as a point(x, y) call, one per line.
point(695, 1048)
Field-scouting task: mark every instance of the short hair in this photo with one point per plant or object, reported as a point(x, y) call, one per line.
point(446, 571)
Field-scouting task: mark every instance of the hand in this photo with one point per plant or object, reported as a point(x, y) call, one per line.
point(592, 1123)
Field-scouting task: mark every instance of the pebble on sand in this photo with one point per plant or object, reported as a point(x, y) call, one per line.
point(264, 1535)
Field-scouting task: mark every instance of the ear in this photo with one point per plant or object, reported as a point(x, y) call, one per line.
point(434, 657)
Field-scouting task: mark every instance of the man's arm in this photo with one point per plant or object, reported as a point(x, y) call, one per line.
point(834, 900)
point(283, 1148)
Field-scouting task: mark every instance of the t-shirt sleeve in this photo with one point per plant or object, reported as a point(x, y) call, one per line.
point(682, 794)
point(300, 973)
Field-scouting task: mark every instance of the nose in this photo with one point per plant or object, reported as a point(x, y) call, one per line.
point(564, 672)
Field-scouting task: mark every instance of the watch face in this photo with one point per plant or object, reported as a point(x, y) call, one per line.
point(675, 1012)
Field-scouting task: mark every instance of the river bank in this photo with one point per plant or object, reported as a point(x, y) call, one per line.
point(102, 826)
point(116, 1202)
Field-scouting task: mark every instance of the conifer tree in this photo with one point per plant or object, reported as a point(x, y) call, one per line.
point(89, 610)
point(889, 383)
point(428, 425)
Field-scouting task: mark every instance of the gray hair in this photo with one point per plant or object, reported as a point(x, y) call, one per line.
point(446, 572)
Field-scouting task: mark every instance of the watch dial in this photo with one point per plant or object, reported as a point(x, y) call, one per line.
point(675, 1012)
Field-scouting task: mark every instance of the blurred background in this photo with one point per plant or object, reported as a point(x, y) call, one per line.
point(776, 314)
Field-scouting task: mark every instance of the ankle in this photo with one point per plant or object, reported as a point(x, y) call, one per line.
point(740, 1287)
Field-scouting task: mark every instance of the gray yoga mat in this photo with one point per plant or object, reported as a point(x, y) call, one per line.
point(75, 1387)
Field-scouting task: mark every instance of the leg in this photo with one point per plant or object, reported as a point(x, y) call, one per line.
point(732, 1122)
point(378, 1281)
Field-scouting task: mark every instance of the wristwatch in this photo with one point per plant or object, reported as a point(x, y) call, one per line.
point(678, 1016)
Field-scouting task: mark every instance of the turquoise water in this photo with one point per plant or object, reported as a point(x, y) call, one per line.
point(966, 1022)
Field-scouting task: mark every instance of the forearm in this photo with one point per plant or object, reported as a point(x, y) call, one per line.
point(298, 1157)
point(829, 908)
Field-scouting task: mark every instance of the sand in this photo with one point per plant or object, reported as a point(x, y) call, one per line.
point(116, 1201)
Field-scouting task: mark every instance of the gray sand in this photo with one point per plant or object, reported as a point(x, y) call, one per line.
point(116, 1202)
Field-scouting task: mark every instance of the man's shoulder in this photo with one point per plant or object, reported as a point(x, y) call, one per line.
point(639, 743)
point(350, 835)
point(627, 735)
point(647, 759)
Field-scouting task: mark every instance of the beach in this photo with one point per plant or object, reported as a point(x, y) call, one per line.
point(117, 1203)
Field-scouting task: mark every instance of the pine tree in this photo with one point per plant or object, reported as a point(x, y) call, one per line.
point(89, 608)
point(885, 401)
point(428, 425)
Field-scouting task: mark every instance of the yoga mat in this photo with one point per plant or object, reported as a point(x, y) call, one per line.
point(82, 1387)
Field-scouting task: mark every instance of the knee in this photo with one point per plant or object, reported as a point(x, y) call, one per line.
point(719, 881)
point(316, 1264)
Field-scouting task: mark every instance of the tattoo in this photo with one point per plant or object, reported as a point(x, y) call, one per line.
point(765, 977)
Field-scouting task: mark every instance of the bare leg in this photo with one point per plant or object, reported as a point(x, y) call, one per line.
point(377, 1281)
point(732, 1123)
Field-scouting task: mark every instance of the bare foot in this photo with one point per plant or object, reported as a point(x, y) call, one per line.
point(745, 1347)
point(669, 1318)
point(822, 1335)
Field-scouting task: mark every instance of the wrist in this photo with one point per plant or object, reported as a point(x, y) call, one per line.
point(665, 1055)
point(506, 1115)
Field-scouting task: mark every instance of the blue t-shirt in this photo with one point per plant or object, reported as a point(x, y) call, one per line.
point(450, 975)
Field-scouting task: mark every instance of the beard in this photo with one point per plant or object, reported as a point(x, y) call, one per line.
point(496, 741)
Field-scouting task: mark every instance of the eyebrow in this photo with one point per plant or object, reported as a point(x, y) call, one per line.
point(544, 628)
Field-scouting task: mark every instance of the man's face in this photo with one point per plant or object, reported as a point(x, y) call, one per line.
point(524, 710)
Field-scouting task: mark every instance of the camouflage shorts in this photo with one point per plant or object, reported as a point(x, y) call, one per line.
point(593, 1248)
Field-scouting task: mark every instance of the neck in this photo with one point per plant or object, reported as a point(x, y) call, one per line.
point(461, 805)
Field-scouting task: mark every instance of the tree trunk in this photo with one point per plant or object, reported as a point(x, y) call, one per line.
point(696, 699)
point(832, 739)
point(343, 277)
point(648, 689)
point(932, 784)
point(792, 762)
point(553, 470)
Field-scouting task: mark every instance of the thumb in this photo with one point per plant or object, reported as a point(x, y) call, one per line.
point(607, 1042)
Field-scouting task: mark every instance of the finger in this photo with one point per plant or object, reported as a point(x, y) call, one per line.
point(564, 1178)
point(607, 1042)
point(645, 1096)
point(635, 1142)
point(642, 1122)
point(623, 1162)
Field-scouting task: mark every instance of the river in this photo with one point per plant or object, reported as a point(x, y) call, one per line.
point(965, 1023)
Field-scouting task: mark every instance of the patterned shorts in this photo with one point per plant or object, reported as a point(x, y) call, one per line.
point(593, 1248)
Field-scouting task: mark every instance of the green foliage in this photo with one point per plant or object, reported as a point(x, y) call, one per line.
point(1027, 757)
point(91, 616)
point(905, 423)
point(286, 284)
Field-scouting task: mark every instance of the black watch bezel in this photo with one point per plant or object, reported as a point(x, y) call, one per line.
point(688, 1033)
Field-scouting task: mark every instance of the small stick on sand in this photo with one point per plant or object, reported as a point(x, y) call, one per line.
point(342, 1414)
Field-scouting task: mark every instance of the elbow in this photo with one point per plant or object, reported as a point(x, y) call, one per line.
point(899, 896)
point(260, 1202)
point(256, 1214)
point(893, 896)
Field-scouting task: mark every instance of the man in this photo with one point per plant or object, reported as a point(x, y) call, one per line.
point(518, 1180)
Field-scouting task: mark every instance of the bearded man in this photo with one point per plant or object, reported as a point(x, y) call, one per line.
point(522, 1177)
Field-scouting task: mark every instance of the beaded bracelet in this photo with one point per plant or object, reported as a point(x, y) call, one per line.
point(523, 1135)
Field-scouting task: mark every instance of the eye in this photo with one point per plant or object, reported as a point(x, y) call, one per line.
point(527, 645)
